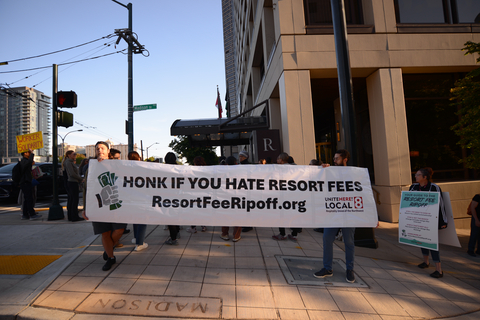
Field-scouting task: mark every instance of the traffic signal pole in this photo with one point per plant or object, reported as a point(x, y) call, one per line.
point(55, 211)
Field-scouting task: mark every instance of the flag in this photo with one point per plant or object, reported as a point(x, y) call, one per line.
point(218, 105)
point(227, 104)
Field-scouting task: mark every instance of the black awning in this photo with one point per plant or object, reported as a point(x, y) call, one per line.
point(221, 132)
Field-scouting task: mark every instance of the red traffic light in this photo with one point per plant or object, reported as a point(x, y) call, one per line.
point(66, 99)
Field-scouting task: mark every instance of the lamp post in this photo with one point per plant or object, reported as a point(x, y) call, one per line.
point(63, 140)
point(150, 146)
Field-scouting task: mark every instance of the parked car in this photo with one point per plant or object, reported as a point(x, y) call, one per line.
point(44, 189)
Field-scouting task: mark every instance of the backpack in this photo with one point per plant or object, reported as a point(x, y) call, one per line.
point(17, 174)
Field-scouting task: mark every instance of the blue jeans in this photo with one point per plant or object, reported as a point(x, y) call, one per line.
point(348, 238)
point(474, 237)
point(139, 231)
point(435, 254)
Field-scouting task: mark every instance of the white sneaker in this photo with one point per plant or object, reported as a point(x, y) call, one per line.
point(134, 240)
point(142, 247)
point(191, 230)
point(165, 227)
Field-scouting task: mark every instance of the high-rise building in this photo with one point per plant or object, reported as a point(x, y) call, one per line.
point(229, 50)
point(23, 110)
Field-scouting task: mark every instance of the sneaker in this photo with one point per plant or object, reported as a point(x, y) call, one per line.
point(204, 228)
point(225, 237)
point(141, 247)
point(423, 265)
point(191, 230)
point(237, 239)
point(339, 235)
point(35, 217)
point(437, 275)
point(165, 227)
point(279, 237)
point(292, 238)
point(108, 265)
point(350, 276)
point(105, 256)
point(134, 240)
point(323, 273)
point(318, 230)
point(126, 231)
point(24, 218)
point(172, 242)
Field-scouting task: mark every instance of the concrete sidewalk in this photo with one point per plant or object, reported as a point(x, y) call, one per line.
point(205, 277)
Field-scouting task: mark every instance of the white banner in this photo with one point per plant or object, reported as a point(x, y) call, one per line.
point(246, 195)
point(418, 219)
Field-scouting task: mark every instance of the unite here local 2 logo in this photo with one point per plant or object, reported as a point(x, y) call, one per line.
point(340, 204)
point(109, 194)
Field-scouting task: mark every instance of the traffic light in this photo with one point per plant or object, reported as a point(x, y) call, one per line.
point(64, 119)
point(66, 99)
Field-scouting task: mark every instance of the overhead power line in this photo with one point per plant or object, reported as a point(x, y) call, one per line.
point(62, 64)
point(46, 54)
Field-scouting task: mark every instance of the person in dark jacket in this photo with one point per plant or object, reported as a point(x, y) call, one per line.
point(422, 178)
point(73, 180)
point(26, 186)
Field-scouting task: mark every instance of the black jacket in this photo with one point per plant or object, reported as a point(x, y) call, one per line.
point(26, 166)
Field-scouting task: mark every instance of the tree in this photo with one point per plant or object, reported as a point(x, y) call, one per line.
point(466, 95)
point(182, 147)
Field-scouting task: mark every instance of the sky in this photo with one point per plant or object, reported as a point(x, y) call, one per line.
point(181, 75)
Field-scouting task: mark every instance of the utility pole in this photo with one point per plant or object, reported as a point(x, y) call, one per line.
point(55, 212)
point(133, 47)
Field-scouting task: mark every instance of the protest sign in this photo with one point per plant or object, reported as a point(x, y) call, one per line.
point(30, 141)
point(448, 235)
point(418, 219)
point(253, 195)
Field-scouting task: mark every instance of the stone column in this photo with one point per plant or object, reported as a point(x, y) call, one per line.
point(391, 153)
point(298, 133)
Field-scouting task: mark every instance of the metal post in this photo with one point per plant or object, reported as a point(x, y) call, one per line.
point(55, 211)
point(344, 78)
point(130, 81)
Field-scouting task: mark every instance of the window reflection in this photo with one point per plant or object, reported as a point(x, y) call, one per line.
point(425, 11)
point(468, 11)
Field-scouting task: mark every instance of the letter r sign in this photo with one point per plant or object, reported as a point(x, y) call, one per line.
point(267, 145)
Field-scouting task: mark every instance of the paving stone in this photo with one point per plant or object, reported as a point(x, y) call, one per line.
point(184, 289)
point(219, 276)
point(254, 296)
point(149, 287)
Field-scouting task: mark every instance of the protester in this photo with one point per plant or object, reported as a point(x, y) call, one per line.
point(283, 158)
point(474, 210)
point(422, 178)
point(83, 167)
point(236, 230)
point(243, 157)
point(139, 230)
point(197, 161)
point(171, 158)
point(116, 154)
point(64, 171)
point(341, 158)
point(73, 180)
point(111, 231)
point(26, 186)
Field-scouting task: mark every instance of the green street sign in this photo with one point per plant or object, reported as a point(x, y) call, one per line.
point(145, 107)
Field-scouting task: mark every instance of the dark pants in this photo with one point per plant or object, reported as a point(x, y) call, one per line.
point(295, 231)
point(139, 231)
point(27, 190)
point(72, 203)
point(174, 230)
point(435, 254)
point(474, 237)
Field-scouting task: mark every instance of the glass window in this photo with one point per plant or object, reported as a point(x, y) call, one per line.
point(424, 11)
point(429, 118)
point(468, 11)
point(319, 12)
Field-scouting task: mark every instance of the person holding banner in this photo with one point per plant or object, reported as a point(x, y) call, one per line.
point(171, 158)
point(422, 178)
point(237, 231)
point(26, 186)
point(139, 230)
point(73, 180)
point(474, 210)
point(111, 232)
point(340, 159)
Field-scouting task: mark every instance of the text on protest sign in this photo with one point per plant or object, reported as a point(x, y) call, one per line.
point(254, 195)
point(30, 141)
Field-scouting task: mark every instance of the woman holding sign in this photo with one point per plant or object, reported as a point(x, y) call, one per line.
point(422, 177)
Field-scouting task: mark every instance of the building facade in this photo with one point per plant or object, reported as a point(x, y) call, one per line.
point(230, 61)
point(405, 55)
point(23, 110)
